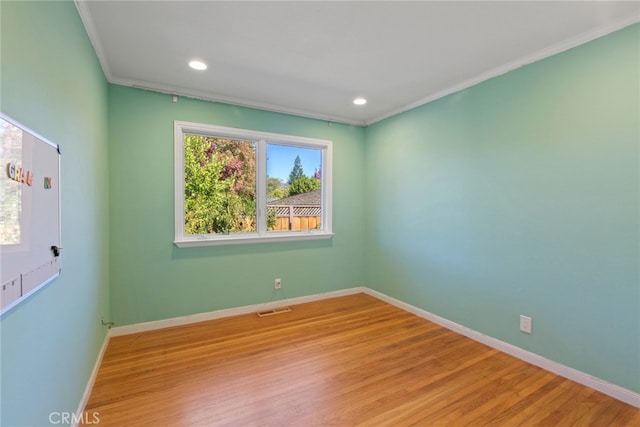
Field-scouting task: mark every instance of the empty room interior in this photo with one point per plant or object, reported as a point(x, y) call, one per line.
point(329, 213)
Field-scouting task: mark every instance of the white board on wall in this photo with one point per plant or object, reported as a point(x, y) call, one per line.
point(29, 213)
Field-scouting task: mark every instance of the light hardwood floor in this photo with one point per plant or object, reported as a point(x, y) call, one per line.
point(345, 361)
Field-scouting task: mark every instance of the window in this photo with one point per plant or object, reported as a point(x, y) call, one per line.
point(240, 186)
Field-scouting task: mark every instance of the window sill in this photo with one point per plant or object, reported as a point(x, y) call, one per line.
point(250, 239)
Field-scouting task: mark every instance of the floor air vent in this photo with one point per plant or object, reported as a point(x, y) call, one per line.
point(273, 311)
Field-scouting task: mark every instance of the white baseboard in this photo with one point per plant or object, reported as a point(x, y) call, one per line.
point(184, 320)
point(200, 317)
point(90, 383)
point(615, 391)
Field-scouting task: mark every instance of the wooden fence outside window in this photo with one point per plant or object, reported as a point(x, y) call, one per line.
point(295, 217)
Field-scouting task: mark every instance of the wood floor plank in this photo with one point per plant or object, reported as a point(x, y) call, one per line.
point(347, 361)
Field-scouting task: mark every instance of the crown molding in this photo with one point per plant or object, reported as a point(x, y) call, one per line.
point(521, 62)
point(89, 26)
point(85, 15)
point(240, 102)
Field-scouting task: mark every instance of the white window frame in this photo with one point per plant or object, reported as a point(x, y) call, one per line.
point(261, 140)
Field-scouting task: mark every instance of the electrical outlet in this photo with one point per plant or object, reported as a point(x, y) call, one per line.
point(525, 324)
point(278, 284)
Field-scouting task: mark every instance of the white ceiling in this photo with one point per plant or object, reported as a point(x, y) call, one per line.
point(312, 58)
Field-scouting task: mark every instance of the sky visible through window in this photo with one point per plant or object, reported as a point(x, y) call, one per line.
point(280, 159)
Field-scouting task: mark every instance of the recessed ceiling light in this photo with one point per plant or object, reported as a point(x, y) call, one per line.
point(359, 101)
point(198, 65)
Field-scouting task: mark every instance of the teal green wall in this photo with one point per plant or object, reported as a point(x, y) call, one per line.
point(521, 196)
point(51, 82)
point(152, 279)
point(516, 196)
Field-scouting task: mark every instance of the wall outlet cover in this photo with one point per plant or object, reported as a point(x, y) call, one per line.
point(525, 324)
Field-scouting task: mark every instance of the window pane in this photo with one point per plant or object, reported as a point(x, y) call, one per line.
point(294, 188)
point(220, 185)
